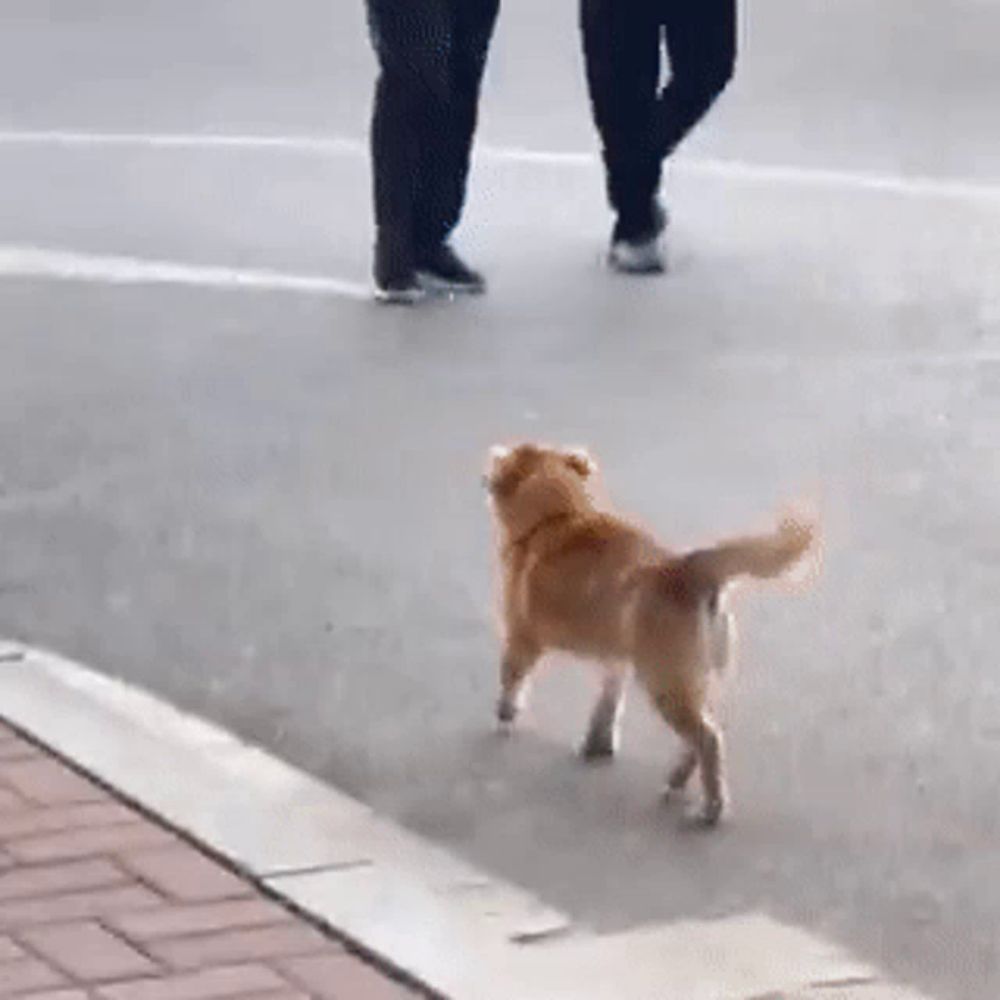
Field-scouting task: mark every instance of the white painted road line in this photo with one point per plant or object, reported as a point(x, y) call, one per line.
point(424, 911)
point(929, 188)
point(66, 265)
point(919, 188)
point(18, 261)
point(310, 145)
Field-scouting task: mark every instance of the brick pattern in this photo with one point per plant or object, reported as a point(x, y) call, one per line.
point(9, 951)
point(9, 802)
point(87, 952)
point(331, 977)
point(99, 903)
point(184, 876)
point(11, 750)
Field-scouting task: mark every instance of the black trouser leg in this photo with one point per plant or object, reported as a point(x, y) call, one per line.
point(701, 44)
point(638, 129)
point(411, 39)
point(446, 155)
point(622, 51)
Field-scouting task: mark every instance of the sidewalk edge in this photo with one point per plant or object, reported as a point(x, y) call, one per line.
point(280, 828)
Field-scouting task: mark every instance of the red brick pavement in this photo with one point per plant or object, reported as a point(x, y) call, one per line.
point(99, 903)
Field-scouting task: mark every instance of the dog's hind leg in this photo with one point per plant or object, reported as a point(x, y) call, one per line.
point(704, 743)
point(601, 740)
point(680, 773)
point(721, 640)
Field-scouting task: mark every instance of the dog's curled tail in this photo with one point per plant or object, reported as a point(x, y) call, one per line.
point(763, 556)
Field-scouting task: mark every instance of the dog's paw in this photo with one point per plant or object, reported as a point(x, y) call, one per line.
point(708, 816)
point(678, 778)
point(670, 795)
point(598, 747)
point(506, 710)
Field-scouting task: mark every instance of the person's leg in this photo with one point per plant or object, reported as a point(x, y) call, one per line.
point(622, 52)
point(411, 41)
point(445, 159)
point(701, 44)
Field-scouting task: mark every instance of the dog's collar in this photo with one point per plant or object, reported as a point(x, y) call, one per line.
point(544, 523)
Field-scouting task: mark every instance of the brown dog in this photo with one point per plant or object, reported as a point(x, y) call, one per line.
point(584, 581)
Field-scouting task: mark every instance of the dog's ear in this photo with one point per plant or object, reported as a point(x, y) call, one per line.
point(579, 460)
point(498, 461)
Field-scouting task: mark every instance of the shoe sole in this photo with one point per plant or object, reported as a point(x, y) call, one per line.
point(649, 269)
point(440, 286)
point(651, 266)
point(402, 297)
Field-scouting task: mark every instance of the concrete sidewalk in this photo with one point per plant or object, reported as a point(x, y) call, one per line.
point(99, 902)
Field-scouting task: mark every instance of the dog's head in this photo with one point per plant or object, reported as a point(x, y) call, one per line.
point(530, 482)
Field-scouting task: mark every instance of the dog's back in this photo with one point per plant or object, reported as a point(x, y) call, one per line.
point(572, 586)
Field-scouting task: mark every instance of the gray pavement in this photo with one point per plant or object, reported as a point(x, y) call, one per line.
point(265, 506)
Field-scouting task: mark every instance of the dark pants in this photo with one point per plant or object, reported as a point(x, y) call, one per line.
point(431, 56)
point(640, 124)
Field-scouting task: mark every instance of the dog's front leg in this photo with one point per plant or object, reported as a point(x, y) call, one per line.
point(601, 740)
point(518, 661)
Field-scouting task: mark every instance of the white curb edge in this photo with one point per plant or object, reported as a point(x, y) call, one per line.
point(418, 909)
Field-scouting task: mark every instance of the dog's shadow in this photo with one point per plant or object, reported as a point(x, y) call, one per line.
point(597, 841)
point(500, 791)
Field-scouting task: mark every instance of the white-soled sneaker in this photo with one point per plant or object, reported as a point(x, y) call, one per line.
point(396, 281)
point(641, 253)
point(638, 256)
point(400, 293)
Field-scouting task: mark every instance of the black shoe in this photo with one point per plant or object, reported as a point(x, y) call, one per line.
point(442, 270)
point(395, 277)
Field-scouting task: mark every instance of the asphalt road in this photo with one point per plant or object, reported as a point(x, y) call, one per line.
point(265, 505)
